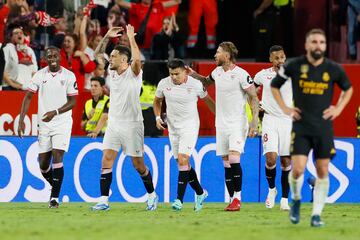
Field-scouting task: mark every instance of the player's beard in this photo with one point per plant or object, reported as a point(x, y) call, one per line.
point(317, 54)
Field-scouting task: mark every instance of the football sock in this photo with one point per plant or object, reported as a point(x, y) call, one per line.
point(295, 186)
point(237, 176)
point(194, 182)
point(321, 191)
point(270, 173)
point(285, 183)
point(183, 179)
point(48, 175)
point(58, 175)
point(148, 183)
point(229, 181)
point(105, 182)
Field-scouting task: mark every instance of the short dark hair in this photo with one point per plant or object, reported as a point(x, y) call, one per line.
point(176, 63)
point(124, 50)
point(275, 48)
point(101, 80)
point(315, 31)
point(52, 48)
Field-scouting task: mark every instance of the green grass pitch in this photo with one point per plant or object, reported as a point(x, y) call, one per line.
point(131, 221)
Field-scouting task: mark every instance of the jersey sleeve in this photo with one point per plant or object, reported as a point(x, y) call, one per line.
point(212, 75)
point(72, 88)
point(343, 80)
point(34, 83)
point(245, 80)
point(258, 78)
point(159, 90)
point(201, 90)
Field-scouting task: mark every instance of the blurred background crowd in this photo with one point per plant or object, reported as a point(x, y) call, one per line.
point(166, 29)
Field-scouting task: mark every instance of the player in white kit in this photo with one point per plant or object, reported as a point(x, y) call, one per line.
point(276, 132)
point(57, 88)
point(234, 87)
point(181, 94)
point(125, 123)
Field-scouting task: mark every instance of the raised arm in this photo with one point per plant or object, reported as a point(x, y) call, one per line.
point(171, 3)
point(135, 52)
point(254, 105)
point(123, 4)
point(82, 33)
point(24, 108)
point(113, 32)
point(206, 81)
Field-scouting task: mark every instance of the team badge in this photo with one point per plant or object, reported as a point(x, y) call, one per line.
point(326, 76)
point(304, 69)
point(249, 80)
point(189, 90)
point(62, 82)
point(168, 88)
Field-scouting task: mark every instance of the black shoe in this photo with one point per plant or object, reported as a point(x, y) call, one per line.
point(316, 221)
point(53, 204)
point(295, 212)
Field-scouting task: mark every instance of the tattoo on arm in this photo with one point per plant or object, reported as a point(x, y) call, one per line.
point(100, 49)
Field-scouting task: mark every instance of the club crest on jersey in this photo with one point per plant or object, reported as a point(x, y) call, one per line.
point(189, 90)
point(326, 77)
point(304, 69)
point(62, 82)
point(249, 80)
point(168, 88)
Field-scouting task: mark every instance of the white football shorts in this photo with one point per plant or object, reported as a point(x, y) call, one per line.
point(230, 140)
point(276, 134)
point(54, 138)
point(126, 135)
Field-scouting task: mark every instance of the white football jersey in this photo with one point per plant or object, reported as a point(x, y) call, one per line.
point(268, 102)
point(181, 102)
point(231, 97)
point(125, 96)
point(53, 89)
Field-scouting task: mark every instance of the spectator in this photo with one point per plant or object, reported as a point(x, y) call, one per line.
point(198, 8)
point(4, 11)
point(96, 109)
point(353, 24)
point(137, 14)
point(59, 34)
point(20, 62)
point(168, 43)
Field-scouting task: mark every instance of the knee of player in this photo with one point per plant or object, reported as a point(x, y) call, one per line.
point(183, 159)
point(285, 163)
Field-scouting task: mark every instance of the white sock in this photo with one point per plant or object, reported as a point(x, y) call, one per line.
point(104, 199)
point(237, 195)
point(56, 199)
point(295, 186)
point(152, 195)
point(321, 191)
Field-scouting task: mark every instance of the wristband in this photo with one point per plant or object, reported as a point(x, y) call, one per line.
point(57, 111)
point(157, 118)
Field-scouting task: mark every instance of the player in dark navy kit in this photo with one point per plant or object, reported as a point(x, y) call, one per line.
point(313, 78)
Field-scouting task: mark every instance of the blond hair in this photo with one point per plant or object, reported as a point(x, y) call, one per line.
point(231, 49)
